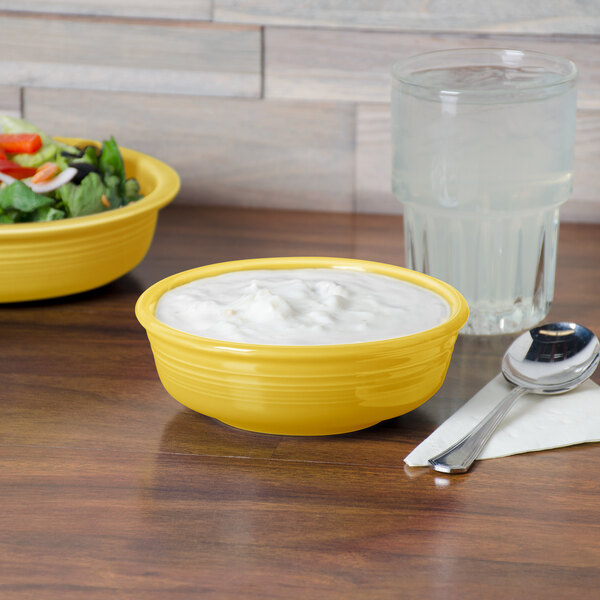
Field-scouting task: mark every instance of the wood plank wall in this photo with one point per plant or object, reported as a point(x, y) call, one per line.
point(271, 103)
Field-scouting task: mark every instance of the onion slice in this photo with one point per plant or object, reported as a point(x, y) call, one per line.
point(54, 183)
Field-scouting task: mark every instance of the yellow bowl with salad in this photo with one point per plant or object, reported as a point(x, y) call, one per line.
point(86, 234)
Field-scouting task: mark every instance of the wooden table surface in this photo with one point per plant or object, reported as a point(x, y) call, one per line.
point(111, 489)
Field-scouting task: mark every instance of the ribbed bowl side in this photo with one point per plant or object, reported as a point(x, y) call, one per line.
point(48, 265)
point(322, 394)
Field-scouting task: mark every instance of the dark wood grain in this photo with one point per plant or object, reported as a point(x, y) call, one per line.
point(110, 489)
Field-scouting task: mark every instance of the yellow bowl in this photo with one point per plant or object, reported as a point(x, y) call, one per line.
point(302, 390)
point(56, 258)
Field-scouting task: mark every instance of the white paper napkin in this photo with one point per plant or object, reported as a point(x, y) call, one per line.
point(534, 423)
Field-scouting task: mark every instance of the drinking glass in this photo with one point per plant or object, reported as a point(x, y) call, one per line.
point(482, 161)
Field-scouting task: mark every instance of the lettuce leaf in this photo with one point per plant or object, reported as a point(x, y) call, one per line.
point(19, 197)
point(132, 190)
point(84, 198)
point(48, 213)
point(89, 155)
point(111, 165)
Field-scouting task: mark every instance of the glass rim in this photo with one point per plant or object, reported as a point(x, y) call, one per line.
point(569, 71)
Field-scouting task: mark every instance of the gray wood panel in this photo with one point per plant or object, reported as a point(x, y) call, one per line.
point(374, 160)
point(10, 101)
point(149, 9)
point(227, 151)
point(523, 16)
point(373, 165)
point(586, 184)
point(143, 57)
point(355, 65)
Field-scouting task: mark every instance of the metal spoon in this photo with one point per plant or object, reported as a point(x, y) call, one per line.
point(550, 359)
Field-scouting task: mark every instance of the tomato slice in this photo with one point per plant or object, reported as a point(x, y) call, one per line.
point(14, 170)
point(20, 143)
point(2, 155)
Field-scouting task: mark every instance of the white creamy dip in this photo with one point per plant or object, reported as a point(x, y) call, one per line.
point(301, 307)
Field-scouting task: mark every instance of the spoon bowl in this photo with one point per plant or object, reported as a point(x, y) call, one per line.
point(550, 359)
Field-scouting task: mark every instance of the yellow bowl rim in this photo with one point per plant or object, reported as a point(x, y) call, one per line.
point(146, 304)
point(167, 186)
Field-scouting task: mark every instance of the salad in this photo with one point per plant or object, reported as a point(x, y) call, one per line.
point(42, 179)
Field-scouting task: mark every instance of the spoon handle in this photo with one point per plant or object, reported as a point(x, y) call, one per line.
point(461, 455)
